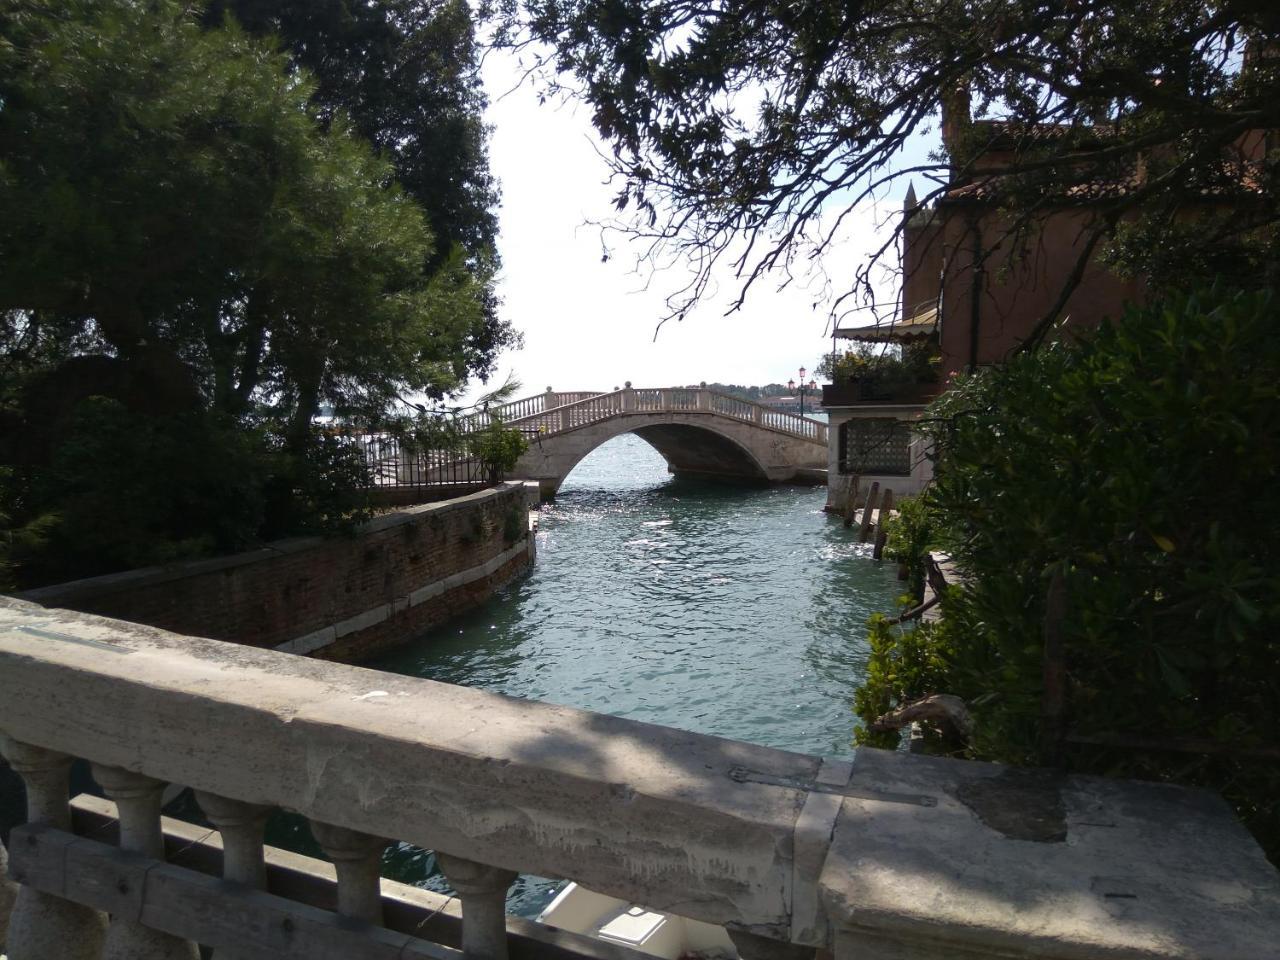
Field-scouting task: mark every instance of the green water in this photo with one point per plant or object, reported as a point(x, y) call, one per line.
point(729, 611)
point(738, 612)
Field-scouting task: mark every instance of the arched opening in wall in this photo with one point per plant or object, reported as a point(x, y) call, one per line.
point(624, 462)
point(697, 452)
point(648, 456)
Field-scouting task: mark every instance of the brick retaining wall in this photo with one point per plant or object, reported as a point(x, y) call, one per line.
point(343, 598)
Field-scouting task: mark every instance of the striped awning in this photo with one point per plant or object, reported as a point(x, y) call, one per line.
point(924, 323)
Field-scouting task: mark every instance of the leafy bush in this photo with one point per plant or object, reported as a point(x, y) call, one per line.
point(125, 491)
point(497, 448)
point(911, 533)
point(1140, 461)
point(917, 364)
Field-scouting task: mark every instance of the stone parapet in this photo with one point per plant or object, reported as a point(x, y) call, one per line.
point(890, 856)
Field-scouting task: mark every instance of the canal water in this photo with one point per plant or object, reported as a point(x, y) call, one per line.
point(739, 612)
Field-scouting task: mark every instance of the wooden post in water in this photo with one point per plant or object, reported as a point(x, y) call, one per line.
point(851, 504)
point(882, 532)
point(865, 530)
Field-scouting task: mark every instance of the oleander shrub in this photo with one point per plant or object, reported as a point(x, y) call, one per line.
point(1141, 461)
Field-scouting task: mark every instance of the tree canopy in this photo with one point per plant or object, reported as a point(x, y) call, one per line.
point(769, 121)
point(190, 235)
point(405, 74)
point(169, 193)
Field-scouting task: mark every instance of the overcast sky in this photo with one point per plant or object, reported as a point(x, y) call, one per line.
point(590, 324)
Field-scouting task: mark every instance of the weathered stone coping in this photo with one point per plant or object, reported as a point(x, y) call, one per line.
point(639, 811)
point(91, 587)
point(892, 856)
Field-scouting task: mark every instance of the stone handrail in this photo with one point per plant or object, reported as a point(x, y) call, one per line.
point(632, 400)
point(891, 856)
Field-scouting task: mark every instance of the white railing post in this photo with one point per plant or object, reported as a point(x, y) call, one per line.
point(483, 892)
point(628, 397)
point(357, 858)
point(41, 925)
point(138, 799)
point(241, 825)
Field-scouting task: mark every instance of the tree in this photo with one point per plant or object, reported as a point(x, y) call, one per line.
point(184, 236)
point(747, 130)
point(172, 201)
point(405, 74)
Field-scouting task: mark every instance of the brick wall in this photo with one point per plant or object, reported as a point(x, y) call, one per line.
point(343, 598)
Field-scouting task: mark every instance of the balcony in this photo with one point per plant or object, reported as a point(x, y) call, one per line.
point(855, 393)
point(886, 856)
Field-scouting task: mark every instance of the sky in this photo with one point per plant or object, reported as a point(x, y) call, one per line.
point(589, 324)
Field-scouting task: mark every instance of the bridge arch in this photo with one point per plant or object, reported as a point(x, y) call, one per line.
point(692, 444)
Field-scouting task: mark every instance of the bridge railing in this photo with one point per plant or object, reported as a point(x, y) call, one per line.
point(594, 407)
point(568, 416)
point(782, 420)
point(890, 855)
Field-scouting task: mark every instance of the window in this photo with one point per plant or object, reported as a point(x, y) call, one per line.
point(879, 446)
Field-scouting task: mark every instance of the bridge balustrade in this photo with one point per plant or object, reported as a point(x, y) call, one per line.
point(888, 857)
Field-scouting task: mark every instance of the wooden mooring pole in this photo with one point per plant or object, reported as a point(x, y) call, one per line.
point(867, 507)
point(882, 530)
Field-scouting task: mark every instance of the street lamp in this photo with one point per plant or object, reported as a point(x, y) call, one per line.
point(812, 385)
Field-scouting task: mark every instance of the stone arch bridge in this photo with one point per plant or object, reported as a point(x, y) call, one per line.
point(699, 432)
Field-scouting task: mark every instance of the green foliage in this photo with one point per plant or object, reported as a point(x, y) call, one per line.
point(320, 486)
point(122, 492)
point(171, 186)
point(916, 364)
point(911, 533)
point(907, 662)
point(496, 447)
point(1140, 461)
point(515, 525)
point(840, 90)
point(192, 232)
point(406, 74)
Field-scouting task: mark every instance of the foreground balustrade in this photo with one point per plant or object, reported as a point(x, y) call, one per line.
point(890, 857)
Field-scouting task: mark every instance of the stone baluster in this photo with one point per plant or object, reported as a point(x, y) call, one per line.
point(550, 401)
point(664, 400)
point(138, 800)
point(241, 825)
point(43, 926)
point(752, 946)
point(757, 414)
point(704, 396)
point(483, 892)
point(357, 857)
point(628, 397)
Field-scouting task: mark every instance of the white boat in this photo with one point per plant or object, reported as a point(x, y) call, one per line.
point(665, 935)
